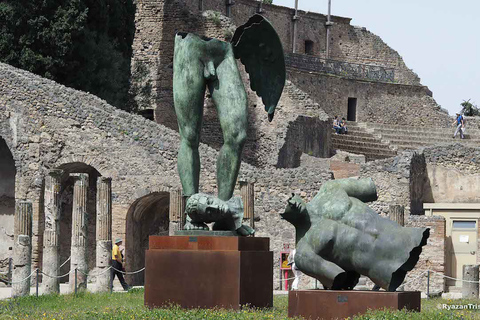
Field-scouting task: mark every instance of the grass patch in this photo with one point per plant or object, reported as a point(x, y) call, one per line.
point(122, 306)
point(130, 306)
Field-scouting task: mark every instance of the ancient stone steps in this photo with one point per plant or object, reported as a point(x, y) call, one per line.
point(371, 153)
point(430, 139)
point(406, 137)
point(359, 141)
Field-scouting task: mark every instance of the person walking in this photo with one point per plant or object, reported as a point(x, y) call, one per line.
point(297, 273)
point(460, 126)
point(117, 265)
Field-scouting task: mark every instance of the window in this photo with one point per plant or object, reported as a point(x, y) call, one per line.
point(459, 224)
point(309, 47)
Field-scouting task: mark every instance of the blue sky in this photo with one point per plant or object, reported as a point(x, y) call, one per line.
point(438, 39)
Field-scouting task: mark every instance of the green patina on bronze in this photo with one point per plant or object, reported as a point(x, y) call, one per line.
point(201, 62)
point(340, 238)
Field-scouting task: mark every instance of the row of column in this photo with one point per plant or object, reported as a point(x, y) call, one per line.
point(79, 260)
point(51, 256)
point(177, 206)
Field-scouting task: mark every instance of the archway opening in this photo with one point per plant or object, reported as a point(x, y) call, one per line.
point(66, 201)
point(7, 204)
point(147, 216)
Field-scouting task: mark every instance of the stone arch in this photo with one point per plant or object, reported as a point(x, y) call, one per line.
point(7, 203)
point(101, 166)
point(66, 199)
point(147, 216)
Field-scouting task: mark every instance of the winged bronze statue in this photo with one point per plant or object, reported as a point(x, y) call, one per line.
point(201, 62)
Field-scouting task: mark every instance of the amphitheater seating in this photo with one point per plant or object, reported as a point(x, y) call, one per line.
point(359, 141)
point(377, 141)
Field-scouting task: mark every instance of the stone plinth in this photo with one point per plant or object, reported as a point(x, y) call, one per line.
point(332, 304)
point(22, 249)
point(79, 232)
point(51, 233)
point(104, 233)
point(208, 272)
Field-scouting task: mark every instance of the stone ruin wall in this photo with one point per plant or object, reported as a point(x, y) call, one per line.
point(158, 21)
point(432, 257)
point(46, 125)
point(348, 43)
point(377, 102)
point(453, 174)
point(392, 179)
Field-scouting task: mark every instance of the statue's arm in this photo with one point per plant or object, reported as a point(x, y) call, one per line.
point(362, 189)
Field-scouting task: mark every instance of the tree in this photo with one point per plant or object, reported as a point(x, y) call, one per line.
point(469, 109)
point(84, 44)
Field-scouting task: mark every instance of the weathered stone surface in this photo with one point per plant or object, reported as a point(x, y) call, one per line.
point(396, 213)
point(51, 258)
point(470, 282)
point(432, 256)
point(247, 189)
point(104, 234)
point(22, 254)
point(78, 251)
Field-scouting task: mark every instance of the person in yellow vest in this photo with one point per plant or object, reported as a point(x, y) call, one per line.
point(117, 264)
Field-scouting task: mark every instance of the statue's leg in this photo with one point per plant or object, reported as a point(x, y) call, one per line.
point(362, 189)
point(230, 97)
point(188, 95)
point(189, 92)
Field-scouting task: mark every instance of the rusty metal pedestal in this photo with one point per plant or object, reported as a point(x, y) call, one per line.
point(331, 304)
point(208, 272)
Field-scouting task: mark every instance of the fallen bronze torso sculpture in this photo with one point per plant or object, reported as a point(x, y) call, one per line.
point(340, 238)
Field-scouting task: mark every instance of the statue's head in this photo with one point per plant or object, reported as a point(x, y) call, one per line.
point(206, 204)
point(296, 210)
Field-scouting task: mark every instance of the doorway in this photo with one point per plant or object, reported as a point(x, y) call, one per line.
point(147, 216)
point(352, 109)
point(461, 247)
point(461, 237)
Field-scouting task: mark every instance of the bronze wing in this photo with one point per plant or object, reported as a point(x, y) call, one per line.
point(257, 45)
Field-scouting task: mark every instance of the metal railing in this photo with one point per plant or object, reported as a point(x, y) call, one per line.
point(339, 68)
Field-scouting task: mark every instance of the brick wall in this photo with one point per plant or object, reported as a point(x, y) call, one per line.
point(432, 257)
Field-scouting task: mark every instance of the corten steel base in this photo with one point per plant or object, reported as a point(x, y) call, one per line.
point(208, 271)
point(330, 304)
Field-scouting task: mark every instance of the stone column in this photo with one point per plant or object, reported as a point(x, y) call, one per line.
point(104, 233)
point(396, 213)
point(176, 211)
point(470, 289)
point(22, 250)
point(51, 233)
point(247, 190)
point(79, 232)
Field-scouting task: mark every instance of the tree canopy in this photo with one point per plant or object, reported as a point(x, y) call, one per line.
point(84, 44)
point(469, 109)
